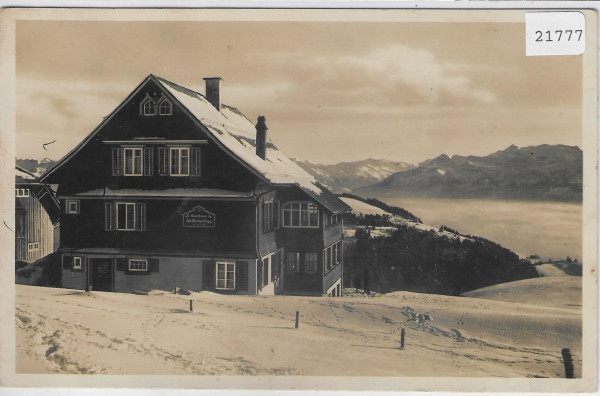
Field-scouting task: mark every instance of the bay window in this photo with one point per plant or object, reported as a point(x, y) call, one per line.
point(300, 214)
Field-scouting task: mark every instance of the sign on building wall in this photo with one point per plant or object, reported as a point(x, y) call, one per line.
point(198, 217)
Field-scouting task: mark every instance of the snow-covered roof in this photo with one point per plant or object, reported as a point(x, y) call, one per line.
point(238, 134)
point(22, 175)
point(170, 192)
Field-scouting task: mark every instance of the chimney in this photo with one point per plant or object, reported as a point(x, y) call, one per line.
point(213, 91)
point(261, 137)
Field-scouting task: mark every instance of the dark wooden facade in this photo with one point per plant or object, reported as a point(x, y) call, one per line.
point(159, 201)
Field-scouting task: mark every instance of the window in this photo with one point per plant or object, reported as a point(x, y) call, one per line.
point(77, 263)
point(138, 265)
point(331, 219)
point(225, 275)
point(33, 246)
point(133, 161)
point(300, 214)
point(148, 108)
point(293, 262)
point(270, 215)
point(310, 262)
point(21, 192)
point(164, 107)
point(180, 161)
point(125, 216)
point(72, 207)
point(332, 255)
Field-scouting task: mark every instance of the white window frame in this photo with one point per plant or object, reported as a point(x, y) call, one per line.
point(179, 150)
point(331, 256)
point(152, 106)
point(140, 265)
point(141, 156)
point(22, 192)
point(126, 218)
point(33, 246)
point(289, 209)
point(161, 102)
point(77, 262)
point(69, 209)
point(227, 271)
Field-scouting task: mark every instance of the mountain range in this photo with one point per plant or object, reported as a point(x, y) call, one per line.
point(544, 172)
point(344, 177)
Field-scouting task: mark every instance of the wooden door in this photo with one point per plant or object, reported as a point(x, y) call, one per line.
point(101, 274)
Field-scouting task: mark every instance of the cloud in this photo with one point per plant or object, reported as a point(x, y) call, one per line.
point(63, 110)
point(395, 75)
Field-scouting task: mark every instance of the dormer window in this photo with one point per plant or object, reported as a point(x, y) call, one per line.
point(148, 106)
point(164, 107)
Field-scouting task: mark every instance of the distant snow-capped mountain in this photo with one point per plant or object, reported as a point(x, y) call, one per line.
point(346, 176)
point(545, 172)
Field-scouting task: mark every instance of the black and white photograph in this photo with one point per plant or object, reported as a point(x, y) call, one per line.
point(209, 198)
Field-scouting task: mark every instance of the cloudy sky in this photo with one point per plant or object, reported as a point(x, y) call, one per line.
point(330, 91)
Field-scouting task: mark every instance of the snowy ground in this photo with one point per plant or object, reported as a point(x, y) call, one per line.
point(66, 331)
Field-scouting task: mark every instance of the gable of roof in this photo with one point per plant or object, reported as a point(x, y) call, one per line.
point(234, 132)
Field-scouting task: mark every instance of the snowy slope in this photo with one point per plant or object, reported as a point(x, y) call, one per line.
point(65, 331)
point(549, 291)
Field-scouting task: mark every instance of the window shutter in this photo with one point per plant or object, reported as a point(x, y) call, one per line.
point(153, 265)
point(121, 264)
point(241, 275)
point(117, 161)
point(109, 212)
point(148, 161)
point(195, 168)
point(67, 262)
point(208, 281)
point(163, 161)
point(141, 216)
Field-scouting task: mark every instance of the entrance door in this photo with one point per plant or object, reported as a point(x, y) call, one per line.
point(102, 274)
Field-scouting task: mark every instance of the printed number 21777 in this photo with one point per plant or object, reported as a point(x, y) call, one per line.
point(559, 35)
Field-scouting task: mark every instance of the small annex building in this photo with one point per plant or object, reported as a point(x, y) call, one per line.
point(37, 214)
point(176, 189)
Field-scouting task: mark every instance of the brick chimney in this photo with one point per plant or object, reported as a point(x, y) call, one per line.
point(213, 91)
point(261, 137)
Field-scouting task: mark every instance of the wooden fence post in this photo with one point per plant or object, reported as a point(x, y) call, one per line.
point(568, 362)
point(402, 339)
point(297, 318)
point(191, 306)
